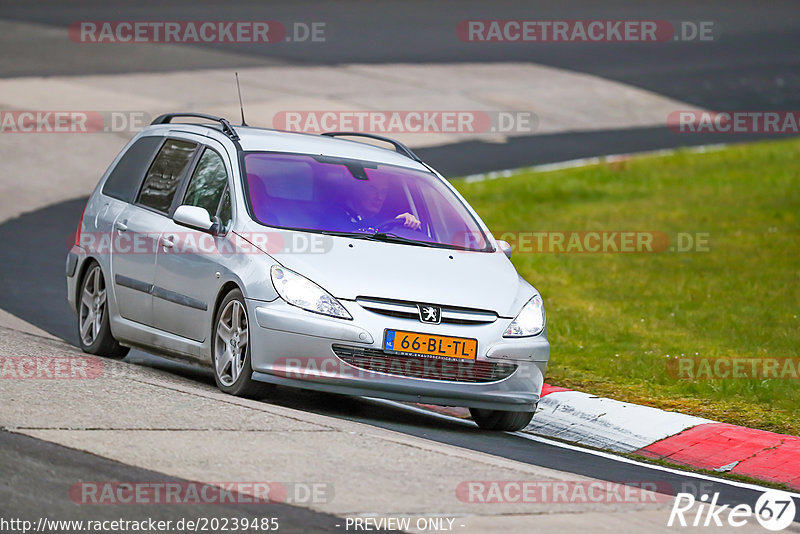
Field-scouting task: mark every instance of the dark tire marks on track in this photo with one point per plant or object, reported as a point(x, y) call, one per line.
point(36, 476)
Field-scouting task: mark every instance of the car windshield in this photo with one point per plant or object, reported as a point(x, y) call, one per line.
point(359, 199)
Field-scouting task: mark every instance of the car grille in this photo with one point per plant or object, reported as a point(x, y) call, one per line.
point(380, 361)
point(409, 310)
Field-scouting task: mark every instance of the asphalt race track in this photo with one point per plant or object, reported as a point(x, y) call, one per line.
point(752, 66)
point(47, 471)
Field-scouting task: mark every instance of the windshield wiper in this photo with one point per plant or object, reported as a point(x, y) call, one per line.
point(394, 238)
point(341, 234)
point(388, 237)
point(379, 236)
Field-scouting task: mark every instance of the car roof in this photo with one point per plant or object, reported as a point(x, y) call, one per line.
point(264, 139)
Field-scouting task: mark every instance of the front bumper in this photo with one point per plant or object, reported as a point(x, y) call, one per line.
point(290, 346)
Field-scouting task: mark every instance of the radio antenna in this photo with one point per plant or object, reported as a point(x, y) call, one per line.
point(241, 107)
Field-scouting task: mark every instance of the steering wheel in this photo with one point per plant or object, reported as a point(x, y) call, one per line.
point(390, 223)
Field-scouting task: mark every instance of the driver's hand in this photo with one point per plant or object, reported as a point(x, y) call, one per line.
point(410, 221)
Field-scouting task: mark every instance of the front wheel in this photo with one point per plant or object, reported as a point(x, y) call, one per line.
point(231, 349)
point(500, 420)
point(94, 328)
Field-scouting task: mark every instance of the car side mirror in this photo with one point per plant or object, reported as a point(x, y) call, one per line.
point(194, 217)
point(505, 247)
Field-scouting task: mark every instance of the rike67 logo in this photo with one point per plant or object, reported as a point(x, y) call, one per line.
point(774, 510)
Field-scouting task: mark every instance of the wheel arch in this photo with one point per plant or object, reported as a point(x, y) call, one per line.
point(226, 288)
point(83, 269)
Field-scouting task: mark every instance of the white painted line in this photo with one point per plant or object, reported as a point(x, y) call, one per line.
point(585, 162)
point(600, 454)
point(612, 456)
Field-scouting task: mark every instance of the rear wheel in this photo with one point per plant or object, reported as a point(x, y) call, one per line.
point(231, 349)
point(94, 329)
point(500, 420)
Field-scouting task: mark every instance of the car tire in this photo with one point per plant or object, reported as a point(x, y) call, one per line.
point(500, 420)
point(230, 349)
point(94, 327)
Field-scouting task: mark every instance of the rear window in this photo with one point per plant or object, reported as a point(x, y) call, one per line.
point(165, 174)
point(127, 175)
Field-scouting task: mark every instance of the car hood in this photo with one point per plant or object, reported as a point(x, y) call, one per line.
point(348, 268)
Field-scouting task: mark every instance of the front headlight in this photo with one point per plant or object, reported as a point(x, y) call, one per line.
point(529, 321)
point(303, 293)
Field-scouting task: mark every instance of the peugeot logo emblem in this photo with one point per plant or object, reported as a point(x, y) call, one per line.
point(429, 314)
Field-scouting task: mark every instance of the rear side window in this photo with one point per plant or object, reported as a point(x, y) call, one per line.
point(165, 174)
point(126, 177)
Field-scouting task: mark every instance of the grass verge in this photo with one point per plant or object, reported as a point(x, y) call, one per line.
point(615, 320)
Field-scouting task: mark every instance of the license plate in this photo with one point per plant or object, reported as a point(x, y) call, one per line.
point(402, 342)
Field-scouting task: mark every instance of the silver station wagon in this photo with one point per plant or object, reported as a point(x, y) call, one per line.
point(313, 261)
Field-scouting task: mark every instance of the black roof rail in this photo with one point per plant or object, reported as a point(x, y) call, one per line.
point(227, 129)
point(398, 146)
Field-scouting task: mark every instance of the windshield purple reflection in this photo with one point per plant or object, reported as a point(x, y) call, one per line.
point(337, 195)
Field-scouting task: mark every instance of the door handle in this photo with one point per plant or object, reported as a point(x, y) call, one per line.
point(121, 226)
point(167, 242)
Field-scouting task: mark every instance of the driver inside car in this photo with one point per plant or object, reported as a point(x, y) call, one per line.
point(364, 203)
